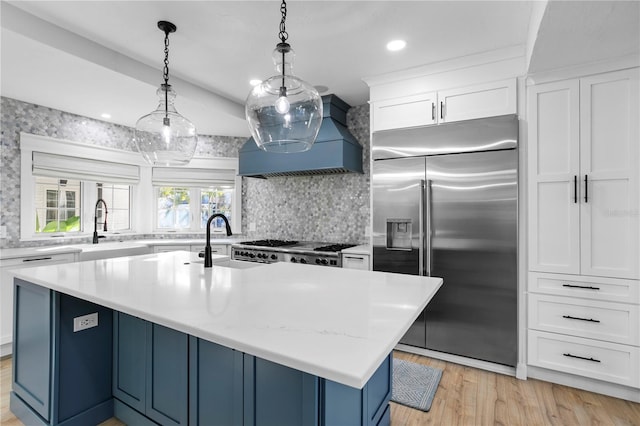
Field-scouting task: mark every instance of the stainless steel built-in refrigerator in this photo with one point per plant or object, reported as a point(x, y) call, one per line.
point(445, 205)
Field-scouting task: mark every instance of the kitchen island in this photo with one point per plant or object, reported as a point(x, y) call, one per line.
point(180, 344)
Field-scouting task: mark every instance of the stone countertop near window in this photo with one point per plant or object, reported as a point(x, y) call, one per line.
point(104, 246)
point(12, 253)
point(335, 323)
point(361, 249)
point(195, 241)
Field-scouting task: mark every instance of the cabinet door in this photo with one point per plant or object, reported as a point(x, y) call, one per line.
point(410, 111)
point(6, 290)
point(129, 360)
point(167, 372)
point(486, 100)
point(215, 384)
point(278, 395)
point(554, 220)
point(32, 346)
point(609, 157)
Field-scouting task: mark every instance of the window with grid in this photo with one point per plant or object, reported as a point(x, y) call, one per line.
point(118, 200)
point(57, 205)
point(173, 208)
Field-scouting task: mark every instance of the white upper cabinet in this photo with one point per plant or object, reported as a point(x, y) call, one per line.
point(485, 100)
point(583, 176)
point(411, 111)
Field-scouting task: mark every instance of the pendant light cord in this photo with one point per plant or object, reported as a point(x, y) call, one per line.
point(283, 35)
point(283, 30)
point(165, 75)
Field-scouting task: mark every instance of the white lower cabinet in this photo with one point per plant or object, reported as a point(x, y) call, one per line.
point(586, 326)
point(356, 261)
point(6, 290)
point(215, 248)
point(619, 364)
point(612, 322)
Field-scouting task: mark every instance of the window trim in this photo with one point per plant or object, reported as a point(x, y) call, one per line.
point(142, 207)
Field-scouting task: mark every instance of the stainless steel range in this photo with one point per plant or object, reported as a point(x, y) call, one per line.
point(305, 252)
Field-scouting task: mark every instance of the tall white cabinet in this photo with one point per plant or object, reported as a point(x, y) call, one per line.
point(584, 214)
point(583, 176)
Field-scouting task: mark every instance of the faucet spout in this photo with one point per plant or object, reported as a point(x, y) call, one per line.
point(208, 260)
point(95, 220)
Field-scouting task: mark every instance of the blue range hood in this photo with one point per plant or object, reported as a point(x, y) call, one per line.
point(335, 150)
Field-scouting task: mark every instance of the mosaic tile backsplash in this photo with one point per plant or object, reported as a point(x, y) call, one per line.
point(332, 208)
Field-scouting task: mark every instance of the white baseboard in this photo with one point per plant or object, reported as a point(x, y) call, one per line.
point(585, 383)
point(6, 349)
point(469, 362)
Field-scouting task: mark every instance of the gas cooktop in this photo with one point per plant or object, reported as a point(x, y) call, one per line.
point(270, 251)
point(333, 247)
point(270, 243)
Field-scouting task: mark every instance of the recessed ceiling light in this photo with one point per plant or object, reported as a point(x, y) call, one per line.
point(105, 115)
point(396, 45)
point(255, 82)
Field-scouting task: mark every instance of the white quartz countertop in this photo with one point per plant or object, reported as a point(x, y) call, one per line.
point(361, 249)
point(335, 323)
point(12, 253)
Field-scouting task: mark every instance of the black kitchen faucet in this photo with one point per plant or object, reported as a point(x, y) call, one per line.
point(95, 220)
point(208, 261)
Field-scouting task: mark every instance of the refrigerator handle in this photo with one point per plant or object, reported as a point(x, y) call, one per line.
point(421, 230)
point(427, 221)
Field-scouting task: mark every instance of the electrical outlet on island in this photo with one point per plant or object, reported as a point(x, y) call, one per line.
point(84, 322)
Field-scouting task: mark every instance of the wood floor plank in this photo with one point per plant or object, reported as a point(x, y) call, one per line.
point(469, 395)
point(466, 397)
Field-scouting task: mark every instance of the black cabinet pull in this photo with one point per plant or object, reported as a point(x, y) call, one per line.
point(586, 287)
point(581, 357)
point(575, 189)
point(581, 319)
point(433, 111)
point(586, 189)
point(441, 110)
point(36, 259)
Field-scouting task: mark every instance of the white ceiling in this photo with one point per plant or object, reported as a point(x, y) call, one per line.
point(90, 57)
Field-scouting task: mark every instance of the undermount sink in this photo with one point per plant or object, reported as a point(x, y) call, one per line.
point(234, 264)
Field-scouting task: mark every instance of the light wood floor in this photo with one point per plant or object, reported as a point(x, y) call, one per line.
point(467, 396)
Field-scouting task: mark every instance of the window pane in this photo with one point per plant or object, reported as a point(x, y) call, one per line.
point(57, 205)
point(173, 208)
point(215, 200)
point(118, 200)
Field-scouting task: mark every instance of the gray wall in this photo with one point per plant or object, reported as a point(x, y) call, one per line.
point(332, 208)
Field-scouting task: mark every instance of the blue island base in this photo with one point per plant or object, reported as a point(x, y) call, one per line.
point(147, 374)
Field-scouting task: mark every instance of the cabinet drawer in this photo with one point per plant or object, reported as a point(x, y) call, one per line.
point(168, 248)
point(410, 111)
point(590, 358)
point(611, 322)
point(215, 249)
point(596, 288)
point(355, 261)
point(39, 260)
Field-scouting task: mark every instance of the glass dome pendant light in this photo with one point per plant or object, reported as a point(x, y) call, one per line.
point(164, 137)
point(284, 113)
